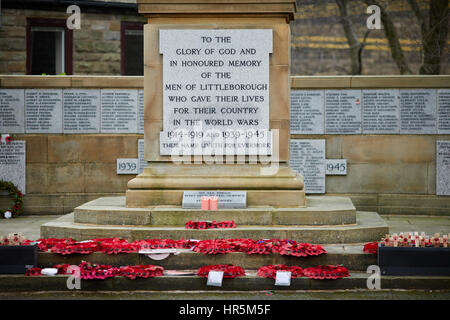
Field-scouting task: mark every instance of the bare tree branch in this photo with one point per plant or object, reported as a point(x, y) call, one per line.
point(392, 37)
point(352, 39)
point(434, 35)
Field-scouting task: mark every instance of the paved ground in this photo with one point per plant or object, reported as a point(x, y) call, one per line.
point(30, 225)
point(235, 295)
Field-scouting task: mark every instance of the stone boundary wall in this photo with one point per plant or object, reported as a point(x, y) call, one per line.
point(390, 174)
point(387, 173)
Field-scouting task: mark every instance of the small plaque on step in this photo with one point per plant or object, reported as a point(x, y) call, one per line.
point(227, 199)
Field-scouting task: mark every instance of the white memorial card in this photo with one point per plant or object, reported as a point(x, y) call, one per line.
point(215, 278)
point(283, 278)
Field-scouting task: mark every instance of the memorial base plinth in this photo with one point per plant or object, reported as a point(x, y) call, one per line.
point(319, 211)
point(275, 198)
point(164, 184)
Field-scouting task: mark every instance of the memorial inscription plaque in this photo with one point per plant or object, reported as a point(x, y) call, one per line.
point(443, 168)
point(343, 111)
point(43, 110)
point(12, 111)
point(308, 158)
point(81, 111)
point(381, 111)
point(307, 116)
point(443, 111)
point(227, 199)
point(12, 163)
point(336, 167)
point(119, 111)
point(418, 111)
point(215, 91)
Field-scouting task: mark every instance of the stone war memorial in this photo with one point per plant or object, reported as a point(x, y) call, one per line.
point(216, 123)
point(218, 170)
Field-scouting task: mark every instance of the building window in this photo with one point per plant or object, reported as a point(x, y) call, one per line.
point(132, 49)
point(49, 47)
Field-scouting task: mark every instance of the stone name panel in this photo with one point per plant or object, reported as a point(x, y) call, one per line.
point(119, 111)
point(443, 167)
point(142, 161)
point(71, 111)
point(418, 111)
point(443, 111)
point(381, 112)
point(343, 112)
point(140, 111)
point(307, 115)
point(43, 110)
point(12, 163)
point(307, 156)
point(81, 111)
point(371, 111)
point(12, 111)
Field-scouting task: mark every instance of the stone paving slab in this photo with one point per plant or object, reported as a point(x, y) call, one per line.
point(353, 294)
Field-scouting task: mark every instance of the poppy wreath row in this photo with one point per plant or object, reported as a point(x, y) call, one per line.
point(319, 272)
point(326, 272)
point(217, 246)
point(229, 270)
point(11, 188)
point(93, 271)
point(209, 225)
point(371, 247)
point(109, 245)
point(270, 271)
point(266, 246)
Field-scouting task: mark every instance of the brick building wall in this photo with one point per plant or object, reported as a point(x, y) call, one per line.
point(96, 46)
point(319, 46)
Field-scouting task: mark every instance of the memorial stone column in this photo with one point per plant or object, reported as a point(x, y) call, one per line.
point(216, 96)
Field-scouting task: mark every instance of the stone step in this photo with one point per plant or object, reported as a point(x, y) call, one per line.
point(320, 210)
point(348, 294)
point(369, 227)
point(191, 282)
point(351, 256)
